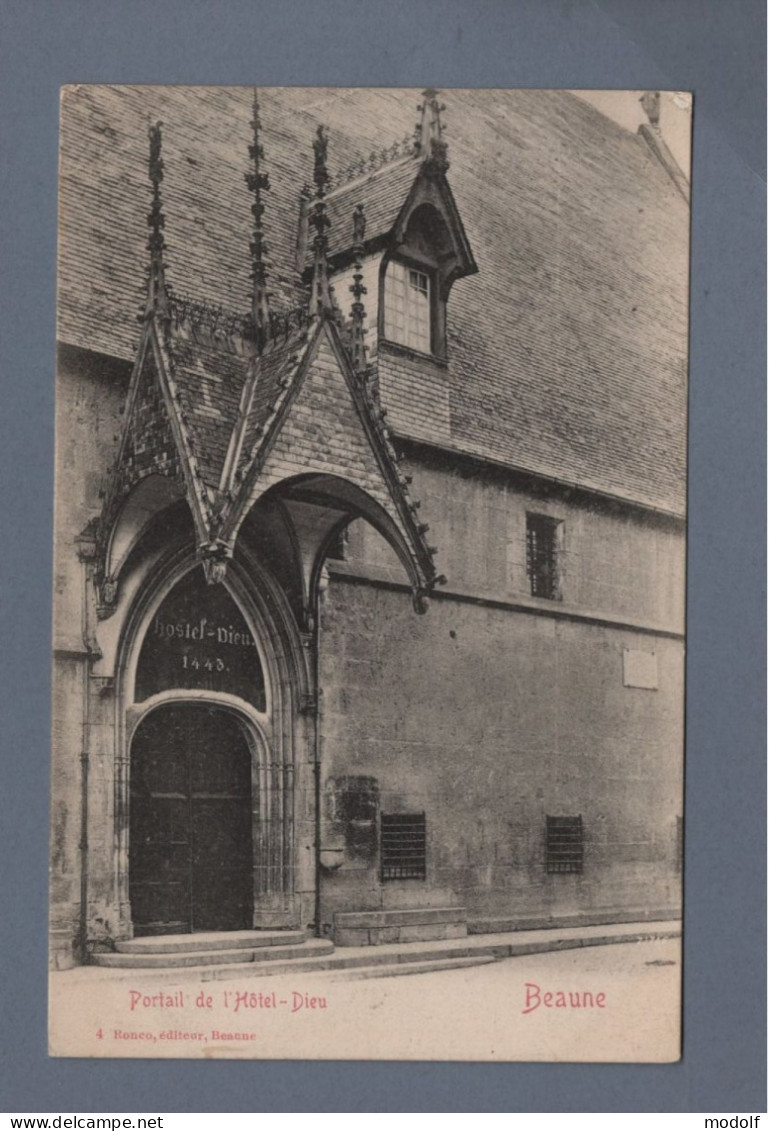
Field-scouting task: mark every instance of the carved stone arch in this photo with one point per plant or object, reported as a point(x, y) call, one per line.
point(285, 725)
point(258, 724)
point(318, 506)
point(146, 500)
point(254, 590)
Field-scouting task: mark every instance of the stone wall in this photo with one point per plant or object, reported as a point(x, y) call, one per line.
point(488, 720)
point(497, 709)
point(90, 394)
point(615, 561)
point(491, 712)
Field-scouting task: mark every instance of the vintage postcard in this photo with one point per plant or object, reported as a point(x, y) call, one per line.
point(369, 584)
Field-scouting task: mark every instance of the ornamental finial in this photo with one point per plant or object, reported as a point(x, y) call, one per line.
point(157, 297)
point(358, 229)
point(650, 100)
point(320, 295)
point(428, 134)
point(358, 291)
point(257, 181)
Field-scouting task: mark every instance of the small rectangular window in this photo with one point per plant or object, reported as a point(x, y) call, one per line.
point(407, 306)
point(542, 565)
point(564, 844)
point(404, 846)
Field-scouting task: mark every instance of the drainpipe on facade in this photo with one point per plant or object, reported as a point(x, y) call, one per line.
point(86, 552)
point(318, 717)
point(82, 933)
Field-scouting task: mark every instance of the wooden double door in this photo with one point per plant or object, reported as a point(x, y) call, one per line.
point(191, 860)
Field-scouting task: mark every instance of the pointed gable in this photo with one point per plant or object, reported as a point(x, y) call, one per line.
point(231, 405)
point(323, 432)
point(148, 454)
point(383, 191)
point(391, 195)
point(148, 446)
point(325, 428)
point(156, 440)
point(400, 188)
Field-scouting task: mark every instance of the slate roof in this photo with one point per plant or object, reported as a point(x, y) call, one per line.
point(276, 368)
point(567, 351)
point(227, 425)
point(383, 192)
point(210, 382)
point(219, 392)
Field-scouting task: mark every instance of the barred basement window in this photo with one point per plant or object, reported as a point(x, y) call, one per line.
point(564, 844)
point(404, 846)
point(542, 538)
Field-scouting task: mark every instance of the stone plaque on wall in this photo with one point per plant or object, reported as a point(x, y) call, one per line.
point(639, 669)
point(352, 804)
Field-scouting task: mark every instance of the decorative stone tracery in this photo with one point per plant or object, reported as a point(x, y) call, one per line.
point(167, 431)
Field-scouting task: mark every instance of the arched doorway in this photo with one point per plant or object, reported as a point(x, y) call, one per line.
point(191, 852)
point(208, 670)
point(195, 798)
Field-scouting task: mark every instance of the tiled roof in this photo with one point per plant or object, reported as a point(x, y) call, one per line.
point(276, 368)
point(383, 192)
point(228, 425)
point(211, 375)
point(210, 381)
point(324, 422)
point(567, 351)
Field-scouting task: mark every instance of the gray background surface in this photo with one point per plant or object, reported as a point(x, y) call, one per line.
point(712, 48)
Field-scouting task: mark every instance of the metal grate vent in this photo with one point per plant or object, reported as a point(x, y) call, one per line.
point(404, 846)
point(564, 842)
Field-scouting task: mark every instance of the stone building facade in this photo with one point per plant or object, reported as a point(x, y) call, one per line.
point(370, 528)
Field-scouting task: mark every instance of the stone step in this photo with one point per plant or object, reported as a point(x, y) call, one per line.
point(414, 932)
point(474, 950)
point(400, 916)
point(493, 925)
point(339, 960)
point(399, 925)
point(318, 955)
point(222, 957)
point(315, 956)
point(208, 940)
point(399, 969)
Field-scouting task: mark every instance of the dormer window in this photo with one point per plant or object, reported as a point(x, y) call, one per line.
point(407, 306)
point(415, 284)
point(412, 247)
